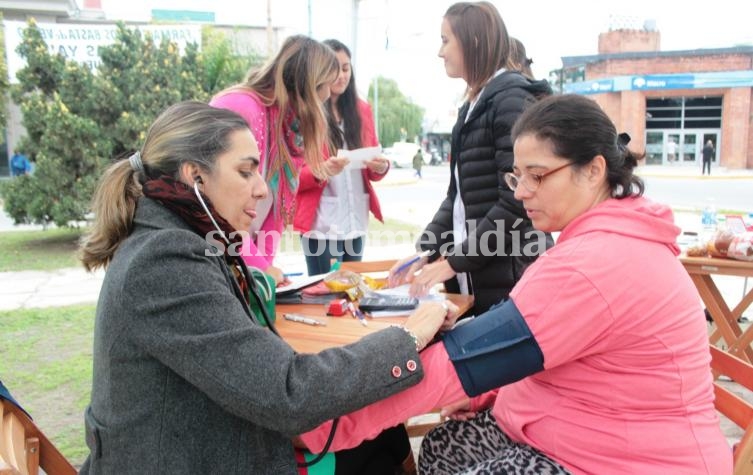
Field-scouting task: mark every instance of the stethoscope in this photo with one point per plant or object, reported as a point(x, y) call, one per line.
point(264, 313)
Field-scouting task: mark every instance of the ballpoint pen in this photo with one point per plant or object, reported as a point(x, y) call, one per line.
point(357, 313)
point(412, 261)
point(302, 319)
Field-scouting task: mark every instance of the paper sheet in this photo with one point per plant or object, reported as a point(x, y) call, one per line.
point(298, 283)
point(359, 156)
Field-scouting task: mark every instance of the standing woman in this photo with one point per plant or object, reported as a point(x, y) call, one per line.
point(334, 215)
point(478, 237)
point(283, 105)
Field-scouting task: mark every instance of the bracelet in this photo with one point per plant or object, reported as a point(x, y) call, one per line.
point(410, 334)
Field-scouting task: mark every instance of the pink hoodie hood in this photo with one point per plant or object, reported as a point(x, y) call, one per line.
point(649, 221)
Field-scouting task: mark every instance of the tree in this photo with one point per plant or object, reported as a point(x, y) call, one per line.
point(395, 112)
point(222, 67)
point(66, 146)
point(76, 120)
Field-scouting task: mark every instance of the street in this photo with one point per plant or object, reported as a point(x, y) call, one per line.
point(417, 201)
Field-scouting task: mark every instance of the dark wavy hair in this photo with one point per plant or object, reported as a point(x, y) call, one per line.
point(347, 107)
point(579, 130)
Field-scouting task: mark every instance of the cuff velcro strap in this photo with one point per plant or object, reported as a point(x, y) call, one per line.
point(494, 349)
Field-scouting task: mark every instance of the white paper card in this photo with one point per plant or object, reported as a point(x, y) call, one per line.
point(359, 156)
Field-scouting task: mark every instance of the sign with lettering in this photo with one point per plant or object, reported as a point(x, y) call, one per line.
point(81, 42)
point(713, 80)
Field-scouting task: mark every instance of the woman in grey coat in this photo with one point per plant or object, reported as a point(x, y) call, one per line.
point(185, 379)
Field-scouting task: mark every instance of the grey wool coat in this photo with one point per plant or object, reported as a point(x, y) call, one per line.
point(186, 382)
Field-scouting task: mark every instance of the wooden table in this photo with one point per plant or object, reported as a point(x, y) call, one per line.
point(727, 327)
point(339, 330)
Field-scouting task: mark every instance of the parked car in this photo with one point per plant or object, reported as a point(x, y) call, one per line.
point(401, 154)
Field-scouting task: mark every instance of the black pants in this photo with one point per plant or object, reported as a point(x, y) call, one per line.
point(706, 163)
point(380, 456)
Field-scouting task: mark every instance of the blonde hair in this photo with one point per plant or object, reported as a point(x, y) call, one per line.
point(187, 132)
point(292, 79)
point(483, 40)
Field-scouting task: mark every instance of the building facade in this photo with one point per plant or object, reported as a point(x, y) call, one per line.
point(670, 102)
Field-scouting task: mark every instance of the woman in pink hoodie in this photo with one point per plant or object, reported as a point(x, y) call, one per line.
point(283, 104)
point(599, 361)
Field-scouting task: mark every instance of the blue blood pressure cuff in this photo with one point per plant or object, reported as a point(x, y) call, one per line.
point(494, 349)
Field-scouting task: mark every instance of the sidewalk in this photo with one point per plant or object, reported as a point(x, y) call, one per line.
point(691, 171)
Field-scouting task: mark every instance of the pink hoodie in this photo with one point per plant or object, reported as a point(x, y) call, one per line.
point(626, 386)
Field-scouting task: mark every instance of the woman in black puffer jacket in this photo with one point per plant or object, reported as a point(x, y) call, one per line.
point(480, 238)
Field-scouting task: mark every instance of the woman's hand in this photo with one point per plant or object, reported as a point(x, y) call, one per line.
point(430, 275)
point(424, 323)
point(459, 411)
point(335, 165)
point(378, 165)
point(399, 277)
point(277, 275)
point(453, 313)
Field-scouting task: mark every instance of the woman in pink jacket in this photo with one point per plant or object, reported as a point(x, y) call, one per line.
point(333, 215)
point(599, 361)
point(283, 105)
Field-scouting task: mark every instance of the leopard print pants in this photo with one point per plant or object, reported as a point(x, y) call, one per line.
point(479, 446)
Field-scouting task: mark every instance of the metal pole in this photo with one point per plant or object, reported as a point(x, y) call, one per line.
point(309, 8)
point(354, 33)
point(270, 49)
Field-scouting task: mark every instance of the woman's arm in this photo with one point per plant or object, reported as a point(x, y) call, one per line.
point(439, 387)
point(185, 315)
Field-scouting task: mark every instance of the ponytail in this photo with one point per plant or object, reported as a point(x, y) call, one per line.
point(113, 205)
point(622, 181)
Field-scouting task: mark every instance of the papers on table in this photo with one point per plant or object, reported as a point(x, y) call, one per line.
point(298, 283)
point(403, 291)
point(359, 156)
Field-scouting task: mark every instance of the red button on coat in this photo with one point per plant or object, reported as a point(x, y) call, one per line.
point(396, 371)
point(411, 366)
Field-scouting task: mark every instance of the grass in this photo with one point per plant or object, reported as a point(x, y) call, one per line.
point(39, 250)
point(46, 363)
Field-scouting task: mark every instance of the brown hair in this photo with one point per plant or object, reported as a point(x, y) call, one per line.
point(483, 40)
point(291, 79)
point(518, 60)
point(185, 132)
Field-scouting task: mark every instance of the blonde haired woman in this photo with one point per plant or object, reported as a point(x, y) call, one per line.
point(283, 104)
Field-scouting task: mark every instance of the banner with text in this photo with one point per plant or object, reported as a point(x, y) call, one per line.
point(80, 43)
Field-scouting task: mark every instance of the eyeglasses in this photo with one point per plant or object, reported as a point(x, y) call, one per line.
point(531, 181)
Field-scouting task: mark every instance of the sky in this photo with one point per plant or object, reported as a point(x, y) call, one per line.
point(549, 29)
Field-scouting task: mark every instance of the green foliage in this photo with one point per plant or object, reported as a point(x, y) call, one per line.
point(222, 67)
point(76, 120)
point(395, 112)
